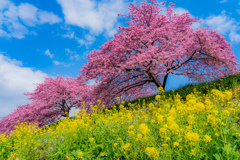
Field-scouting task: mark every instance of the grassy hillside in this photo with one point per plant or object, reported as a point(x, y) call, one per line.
point(166, 126)
point(230, 82)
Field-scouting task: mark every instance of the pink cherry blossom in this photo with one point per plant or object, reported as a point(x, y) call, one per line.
point(59, 95)
point(154, 45)
point(51, 100)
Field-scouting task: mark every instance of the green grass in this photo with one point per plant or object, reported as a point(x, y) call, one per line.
point(229, 82)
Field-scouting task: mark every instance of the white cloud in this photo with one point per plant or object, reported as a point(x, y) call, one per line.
point(234, 37)
point(48, 53)
point(48, 17)
point(180, 10)
point(72, 54)
point(57, 63)
point(69, 35)
point(3, 33)
point(96, 16)
point(33, 33)
point(75, 56)
point(221, 23)
point(225, 25)
point(27, 13)
point(4, 4)
point(223, 1)
point(14, 81)
point(14, 20)
point(11, 27)
point(69, 51)
point(87, 41)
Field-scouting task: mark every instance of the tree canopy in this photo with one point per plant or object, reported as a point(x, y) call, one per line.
point(51, 100)
point(58, 95)
point(154, 45)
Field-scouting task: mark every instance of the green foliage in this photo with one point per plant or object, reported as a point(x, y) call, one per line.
point(229, 82)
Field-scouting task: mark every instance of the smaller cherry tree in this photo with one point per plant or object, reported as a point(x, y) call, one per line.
point(51, 100)
point(56, 96)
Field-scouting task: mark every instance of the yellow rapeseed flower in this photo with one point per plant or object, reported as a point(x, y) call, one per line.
point(80, 154)
point(91, 139)
point(143, 128)
point(152, 151)
point(131, 133)
point(126, 146)
point(175, 144)
point(163, 131)
point(159, 119)
point(167, 138)
point(152, 121)
point(228, 95)
point(191, 119)
point(226, 113)
point(139, 137)
point(211, 119)
point(192, 137)
point(193, 152)
point(207, 138)
point(157, 97)
point(160, 90)
point(199, 107)
point(164, 145)
point(83, 104)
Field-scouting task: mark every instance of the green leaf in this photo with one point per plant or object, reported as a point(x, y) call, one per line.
point(217, 156)
point(58, 153)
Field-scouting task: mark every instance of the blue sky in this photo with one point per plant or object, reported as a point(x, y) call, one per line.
point(46, 38)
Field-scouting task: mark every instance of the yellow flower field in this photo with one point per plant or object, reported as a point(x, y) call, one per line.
point(202, 127)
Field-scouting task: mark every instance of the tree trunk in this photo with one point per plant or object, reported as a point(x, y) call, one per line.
point(155, 79)
point(157, 82)
point(165, 81)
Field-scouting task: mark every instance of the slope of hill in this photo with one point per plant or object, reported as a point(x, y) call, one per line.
point(165, 126)
point(229, 82)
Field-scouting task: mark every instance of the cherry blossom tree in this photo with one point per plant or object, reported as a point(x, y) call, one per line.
point(56, 96)
point(51, 100)
point(21, 114)
point(152, 47)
